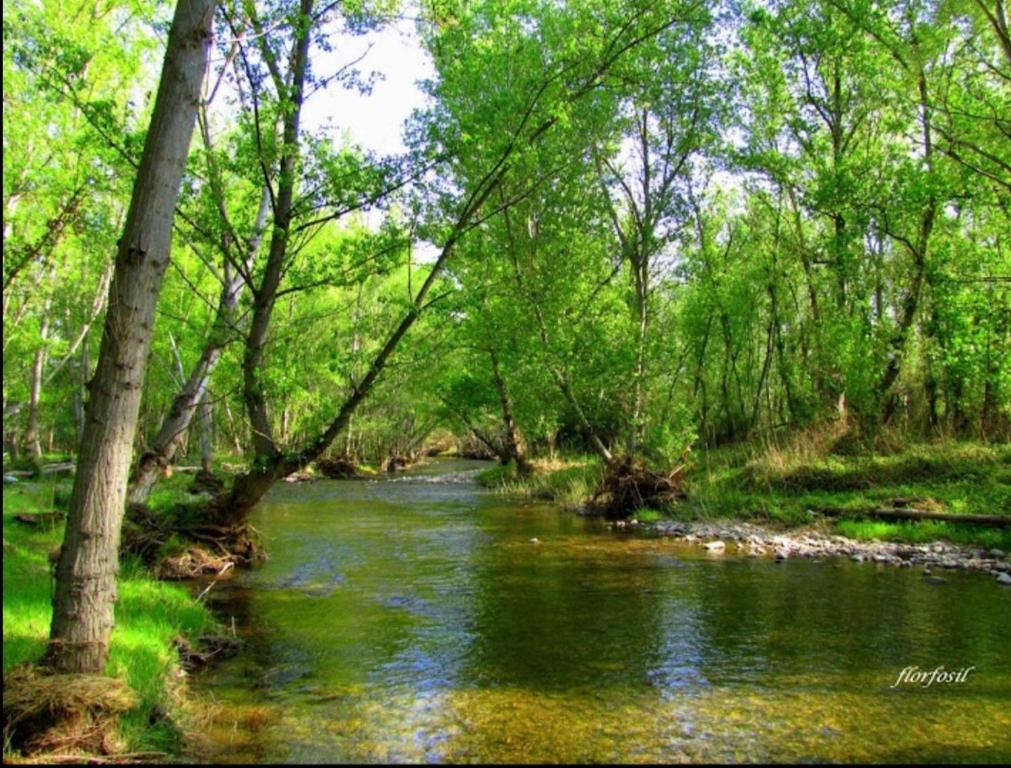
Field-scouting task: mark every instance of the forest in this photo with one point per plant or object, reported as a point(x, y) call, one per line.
point(663, 261)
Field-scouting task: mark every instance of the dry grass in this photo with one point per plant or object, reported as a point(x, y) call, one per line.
point(63, 713)
point(801, 449)
point(557, 463)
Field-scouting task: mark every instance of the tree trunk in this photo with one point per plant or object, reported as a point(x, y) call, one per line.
point(80, 393)
point(165, 444)
point(31, 439)
point(265, 296)
point(88, 565)
point(918, 250)
point(206, 433)
point(514, 439)
point(170, 435)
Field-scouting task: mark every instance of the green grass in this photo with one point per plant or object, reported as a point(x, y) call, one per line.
point(648, 515)
point(958, 478)
point(149, 615)
point(570, 483)
point(780, 486)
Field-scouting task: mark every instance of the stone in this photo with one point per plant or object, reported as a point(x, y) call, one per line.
point(715, 546)
point(995, 553)
point(1003, 578)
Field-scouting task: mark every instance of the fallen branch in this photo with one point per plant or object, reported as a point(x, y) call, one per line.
point(62, 468)
point(891, 513)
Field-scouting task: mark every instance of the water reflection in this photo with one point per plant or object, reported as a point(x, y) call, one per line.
point(415, 620)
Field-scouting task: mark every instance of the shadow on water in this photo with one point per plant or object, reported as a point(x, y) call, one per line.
point(421, 619)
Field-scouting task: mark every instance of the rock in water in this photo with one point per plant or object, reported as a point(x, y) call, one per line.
point(1004, 578)
point(716, 546)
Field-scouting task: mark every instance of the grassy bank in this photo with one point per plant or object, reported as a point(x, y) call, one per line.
point(782, 485)
point(149, 616)
point(570, 481)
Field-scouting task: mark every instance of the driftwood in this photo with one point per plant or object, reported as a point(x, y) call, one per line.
point(894, 513)
point(629, 485)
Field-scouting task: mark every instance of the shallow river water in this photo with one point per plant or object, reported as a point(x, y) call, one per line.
point(423, 619)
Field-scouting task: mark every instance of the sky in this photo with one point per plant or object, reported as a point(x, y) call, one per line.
point(373, 120)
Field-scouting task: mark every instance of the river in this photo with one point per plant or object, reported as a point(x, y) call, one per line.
point(420, 618)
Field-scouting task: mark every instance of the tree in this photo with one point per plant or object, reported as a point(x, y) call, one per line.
point(88, 564)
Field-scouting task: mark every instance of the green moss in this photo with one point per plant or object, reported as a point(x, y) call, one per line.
point(149, 615)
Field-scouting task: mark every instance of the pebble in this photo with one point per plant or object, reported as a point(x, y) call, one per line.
point(757, 541)
point(1003, 578)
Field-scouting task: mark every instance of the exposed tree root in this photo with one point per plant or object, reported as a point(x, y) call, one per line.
point(56, 713)
point(209, 647)
point(397, 463)
point(629, 485)
point(339, 467)
point(177, 549)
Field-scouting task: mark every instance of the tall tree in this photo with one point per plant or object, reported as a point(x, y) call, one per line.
point(86, 573)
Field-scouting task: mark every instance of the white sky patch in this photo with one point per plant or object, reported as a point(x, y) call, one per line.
point(375, 120)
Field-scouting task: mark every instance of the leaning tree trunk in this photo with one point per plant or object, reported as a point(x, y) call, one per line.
point(270, 464)
point(163, 448)
point(89, 559)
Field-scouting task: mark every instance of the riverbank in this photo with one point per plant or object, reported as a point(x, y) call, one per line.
point(777, 499)
point(153, 619)
point(720, 537)
point(418, 619)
